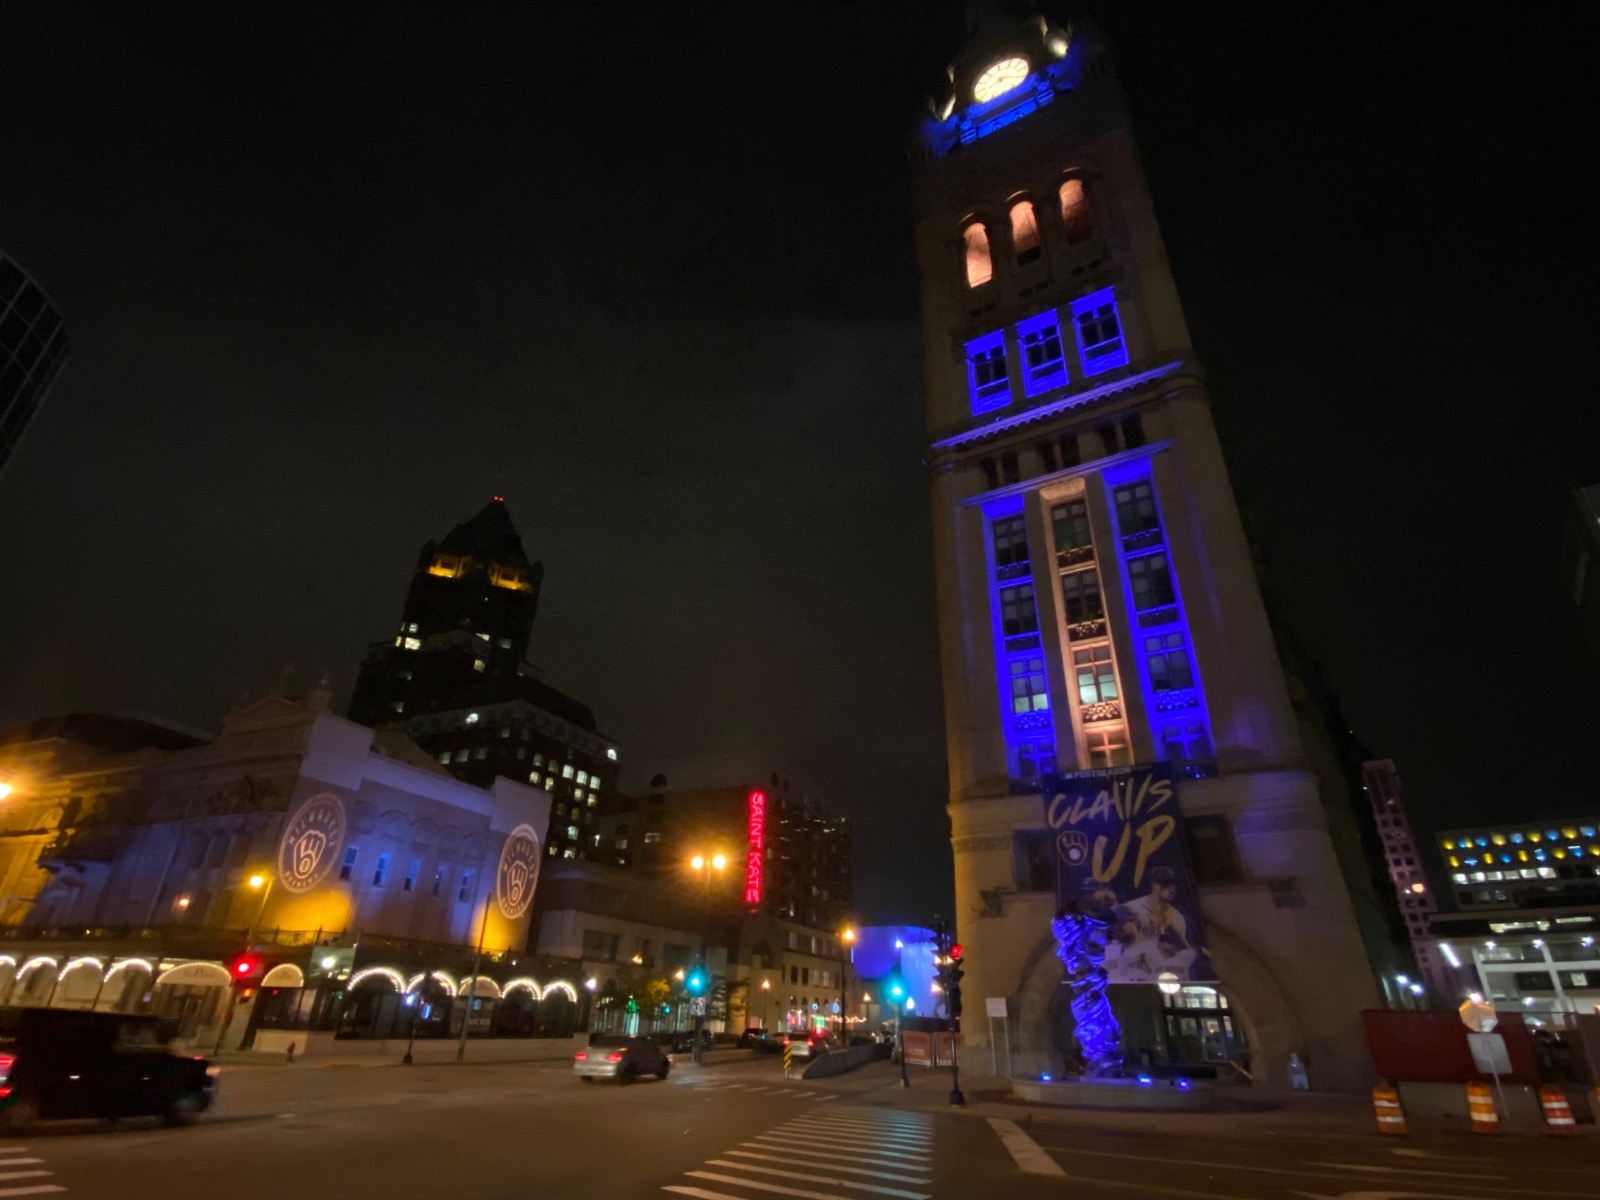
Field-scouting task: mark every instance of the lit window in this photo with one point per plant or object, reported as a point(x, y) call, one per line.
point(1080, 593)
point(1151, 580)
point(1071, 524)
point(1075, 213)
point(522, 752)
point(1186, 742)
point(611, 753)
point(1018, 613)
point(381, 871)
point(1108, 748)
point(504, 643)
point(411, 643)
point(591, 801)
point(577, 793)
point(505, 732)
point(483, 637)
point(464, 892)
point(1136, 509)
point(445, 758)
point(348, 867)
point(566, 771)
point(653, 836)
point(480, 753)
point(412, 627)
point(572, 832)
point(583, 777)
point(1100, 343)
point(413, 869)
point(622, 843)
point(980, 269)
point(1028, 690)
point(1044, 364)
point(1096, 680)
point(538, 760)
point(1024, 232)
point(478, 664)
point(472, 718)
point(549, 782)
point(1010, 541)
point(1169, 662)
point(569, 852)
point(988, 376)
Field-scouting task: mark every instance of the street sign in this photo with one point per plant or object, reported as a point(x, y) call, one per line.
point(697, 1006)
point(1478, 1016)
point(1489, 1053)
point(994, 1006)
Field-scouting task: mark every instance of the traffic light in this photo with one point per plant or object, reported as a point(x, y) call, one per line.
point(695, 984)
point(953, 971)
point(245, 973)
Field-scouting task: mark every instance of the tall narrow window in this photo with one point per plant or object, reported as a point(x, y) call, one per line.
point(464, 893)
point(1010, 541)
point(348, 867)
point(1028, 690)
point(1018, 613)
point(1024, 232)
point(381, 871)
point(979, 267)
point(1096, 680)
point(1071, 524)
point(1044, 365)
point(1080, 593)
point(1075, 213)
point(1100, 342)
point(1036, 756)
point(1151, 580)
point(988, 375)
point(438, 880)
point(1136, 509)
point(413, 869)
point(1169, 662)
point(1108, 748)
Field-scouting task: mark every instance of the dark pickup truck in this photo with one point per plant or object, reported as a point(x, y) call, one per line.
point(66, 1063)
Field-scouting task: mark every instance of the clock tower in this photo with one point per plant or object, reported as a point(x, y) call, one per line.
point(1098, 606)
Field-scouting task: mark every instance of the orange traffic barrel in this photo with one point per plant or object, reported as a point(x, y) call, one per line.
point(1557, 1112)
point(1480, 1107)
point(1386, 1106)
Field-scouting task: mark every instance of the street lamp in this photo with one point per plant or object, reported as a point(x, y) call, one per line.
point(846, 940)
point(897, 992)
point(766, 999)
point(705, 866)
point(5, 791)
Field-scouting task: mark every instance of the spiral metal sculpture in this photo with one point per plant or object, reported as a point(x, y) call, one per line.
point(1081, 947)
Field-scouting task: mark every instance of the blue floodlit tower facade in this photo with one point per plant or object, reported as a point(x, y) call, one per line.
point(1097, 598)
point(33, 349)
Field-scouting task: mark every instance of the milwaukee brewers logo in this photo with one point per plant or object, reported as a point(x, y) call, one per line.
point(1074, 847)
point(311, 841)
point(518, 872)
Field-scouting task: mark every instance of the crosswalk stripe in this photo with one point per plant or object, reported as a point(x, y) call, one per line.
point(828, 1179)
point(827, 1126)
point(800, 1162)
point(840, 1116)
point(38, 1190)
point(763, 1187)
point(846, 1144)
point(699, 1193)
point(1026, 1152)
point(780, 1144)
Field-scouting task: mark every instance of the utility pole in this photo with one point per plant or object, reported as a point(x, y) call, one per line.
point(472, 983)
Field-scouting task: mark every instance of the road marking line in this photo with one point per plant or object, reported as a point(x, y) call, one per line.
point(699, 1193)
point(779, 1144)
point(833, 1120)
point(842, 1116)
point(904, 1141)
point(800, 1162)
point(846, 1144)
point(764, 1187)
point(827, 1096)
point(864, 1187)
point(12, 1162)
point(1407, 1171)
point(40, 1190)
point(1024, 1151)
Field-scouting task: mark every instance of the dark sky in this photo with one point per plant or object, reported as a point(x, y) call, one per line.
point(334, 274)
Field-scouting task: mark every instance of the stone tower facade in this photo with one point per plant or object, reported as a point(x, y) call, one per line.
point(1098, 605)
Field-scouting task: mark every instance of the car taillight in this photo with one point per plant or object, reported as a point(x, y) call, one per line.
point(580, 1056)
point(615, 1057)
point(7, 1061)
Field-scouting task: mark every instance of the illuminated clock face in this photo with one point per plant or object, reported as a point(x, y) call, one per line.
point(1000, 78)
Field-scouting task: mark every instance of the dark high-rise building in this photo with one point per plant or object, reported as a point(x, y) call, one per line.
point(456, 680)
point(1580, 561)
point(33, 348)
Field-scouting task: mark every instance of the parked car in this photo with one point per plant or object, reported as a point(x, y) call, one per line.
point(683, 1041)
point(812, 1045)
point(760, 1040)
point(67, 1063)
point(621, 1058)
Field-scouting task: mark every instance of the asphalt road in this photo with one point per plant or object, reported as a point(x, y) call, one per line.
point(737, 1131)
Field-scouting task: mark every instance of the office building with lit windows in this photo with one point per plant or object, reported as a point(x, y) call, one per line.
point(455, 679)
point(33, 349)
point(1524, 864)
point(1412, 891)
point(1098, 603)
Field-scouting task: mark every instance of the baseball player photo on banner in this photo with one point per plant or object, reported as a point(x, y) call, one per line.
point(1122, 857)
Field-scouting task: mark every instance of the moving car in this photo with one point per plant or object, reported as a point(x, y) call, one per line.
point(683, 1041)
point(812, 1045)
point(760, 1040)
point(65, 1063)
point(621, 1058)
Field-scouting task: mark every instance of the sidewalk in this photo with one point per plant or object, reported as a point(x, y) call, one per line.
point(1250, 1112)
point(438, 1052)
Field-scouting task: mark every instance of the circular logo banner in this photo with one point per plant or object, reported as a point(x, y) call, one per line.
point(518, 872)
point(311, 841)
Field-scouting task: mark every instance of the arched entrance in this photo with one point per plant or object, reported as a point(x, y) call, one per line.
point(372, 1005)
point(193, 994)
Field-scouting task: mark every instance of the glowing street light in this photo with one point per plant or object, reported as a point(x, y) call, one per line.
point(5, 790)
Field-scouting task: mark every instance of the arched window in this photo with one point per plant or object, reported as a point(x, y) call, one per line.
point(1024, 231)
point(979, 267)
point(1075, 214)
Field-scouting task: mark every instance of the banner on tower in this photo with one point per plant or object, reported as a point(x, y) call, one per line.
point(1121, 855)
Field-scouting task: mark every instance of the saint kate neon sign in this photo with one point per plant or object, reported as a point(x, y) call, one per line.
point(757, 825)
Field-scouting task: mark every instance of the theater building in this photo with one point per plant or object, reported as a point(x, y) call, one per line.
point(1098, 603)
point(296, 872)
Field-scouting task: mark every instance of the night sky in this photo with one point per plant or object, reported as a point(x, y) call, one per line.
point(335, 274)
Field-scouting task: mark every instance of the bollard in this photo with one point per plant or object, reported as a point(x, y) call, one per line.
point(1386, 1106)
point(1557, 1112)
point(788, 1058)
point(291, 1051)
point(1480, 1107)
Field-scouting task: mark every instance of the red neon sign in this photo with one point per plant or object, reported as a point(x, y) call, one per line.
point(758, 843)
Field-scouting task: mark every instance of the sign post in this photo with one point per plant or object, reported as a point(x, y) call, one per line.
point(995, 1006)
point(1489, 1053)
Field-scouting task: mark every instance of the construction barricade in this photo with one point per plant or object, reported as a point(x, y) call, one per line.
point(1386, 1107)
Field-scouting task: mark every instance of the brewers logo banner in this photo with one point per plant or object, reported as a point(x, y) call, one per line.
point(311, 840)
point(518, 872)
point(1121, 856)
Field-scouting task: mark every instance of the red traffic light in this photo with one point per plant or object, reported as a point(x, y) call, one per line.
point(245, 967)
point(955, 951)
